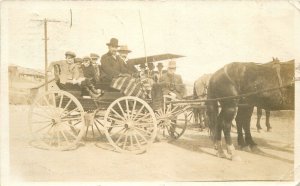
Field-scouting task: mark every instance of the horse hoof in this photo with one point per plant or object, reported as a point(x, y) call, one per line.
point(246, 149)
point(221, 155)
point(269, 130)
point(255, 149)
point(236, 158)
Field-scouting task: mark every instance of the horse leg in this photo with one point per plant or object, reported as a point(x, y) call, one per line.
point(195, 113)
point(246, 126)
point(268, 125)
point(228, 114)
point(201, 118)
point(259, 114)
point(239, 125)
point(218, 136)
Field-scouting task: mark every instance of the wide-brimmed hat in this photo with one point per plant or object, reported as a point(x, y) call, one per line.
point(86, 58)
point(113, 42)
point(172, 64)
point(159, 65)
point(124, 48)
point(70, 53)
point(94, 56)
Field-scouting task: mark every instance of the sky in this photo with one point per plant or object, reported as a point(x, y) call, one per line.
point(209, 33)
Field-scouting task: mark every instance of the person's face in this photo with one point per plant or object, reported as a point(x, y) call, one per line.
point(151, 67)
point(113, 49)
point(159, 68)
point(123, 55)
point(70, 59)
point(94, 61)
point(86, 62)
point(171, 70)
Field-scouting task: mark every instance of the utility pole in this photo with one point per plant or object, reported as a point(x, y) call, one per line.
point(46, 54)
point(45, 21)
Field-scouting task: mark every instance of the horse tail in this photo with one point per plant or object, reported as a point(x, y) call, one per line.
point(212, 112)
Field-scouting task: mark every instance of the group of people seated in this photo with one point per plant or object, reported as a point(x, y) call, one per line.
point(86, 73)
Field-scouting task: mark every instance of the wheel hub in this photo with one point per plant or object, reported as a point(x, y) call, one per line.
point(129, 124)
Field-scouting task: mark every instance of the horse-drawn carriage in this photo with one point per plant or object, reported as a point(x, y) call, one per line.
point(60, 118)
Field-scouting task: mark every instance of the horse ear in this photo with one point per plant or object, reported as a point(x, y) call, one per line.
point(273, 59)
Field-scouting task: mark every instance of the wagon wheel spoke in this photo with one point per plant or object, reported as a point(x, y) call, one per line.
point(143, 130)
point(176, 130)
point(137, 128)
point(142, 136)
point(114, 119)
point(42, 107)
point(127, 109)
point(96, 123)
point(117, 114)
point(124, 115)
point(148, 115)
point(65, 137)
point(45, 99)
point(133, 109)
point(137, 141)
point(49, 127)
point(44, 127)
point(70, 112)
point(138, 113)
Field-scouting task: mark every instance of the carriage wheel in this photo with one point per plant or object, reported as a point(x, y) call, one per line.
point(198, 121)
point(131, 125)
point(94, 127)
point(56, 121)
point(170, 121)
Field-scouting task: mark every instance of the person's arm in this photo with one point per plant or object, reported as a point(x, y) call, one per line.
point(163, 82)
point(52, 64)
point(180, 87)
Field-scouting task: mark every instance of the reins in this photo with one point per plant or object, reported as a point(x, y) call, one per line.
point(232, 97)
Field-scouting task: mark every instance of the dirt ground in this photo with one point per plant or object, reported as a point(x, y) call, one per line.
point(190, 158)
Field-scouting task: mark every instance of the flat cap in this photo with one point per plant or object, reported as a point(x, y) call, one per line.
point(94, 55)
point(70, 53)
point(87, 58)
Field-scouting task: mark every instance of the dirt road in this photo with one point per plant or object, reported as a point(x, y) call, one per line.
point(191, 158)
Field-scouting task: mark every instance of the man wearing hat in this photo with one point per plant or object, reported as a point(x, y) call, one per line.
point(150, 72)
point(66, 68)
point(160, 72)
point(123, 52)
point(111, 64)
point(94, 58)
point(173, 82)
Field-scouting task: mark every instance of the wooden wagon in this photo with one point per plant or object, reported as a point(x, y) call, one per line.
point(60, 119)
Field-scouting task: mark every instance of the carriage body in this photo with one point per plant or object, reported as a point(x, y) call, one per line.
point(60, 119)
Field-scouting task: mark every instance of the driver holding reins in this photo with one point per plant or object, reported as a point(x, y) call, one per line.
point(173, 82)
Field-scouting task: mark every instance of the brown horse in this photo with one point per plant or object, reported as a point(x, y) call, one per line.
point(269, 86)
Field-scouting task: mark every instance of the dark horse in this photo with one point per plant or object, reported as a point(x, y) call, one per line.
point(269, 86)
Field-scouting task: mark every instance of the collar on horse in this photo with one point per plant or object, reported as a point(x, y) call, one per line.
point(275, 65)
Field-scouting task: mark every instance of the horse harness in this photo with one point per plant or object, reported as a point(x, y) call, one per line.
point(275, 66)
